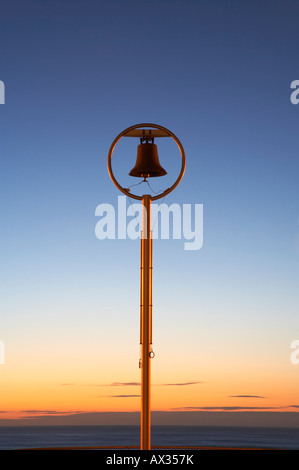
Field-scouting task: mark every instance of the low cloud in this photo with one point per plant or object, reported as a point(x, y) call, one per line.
point(138, 384)
point(229, 408)
point(124, 396)
point(116, 384)
point(49, 412)
point(182, 383)
point(124, 384)
point(246, 396)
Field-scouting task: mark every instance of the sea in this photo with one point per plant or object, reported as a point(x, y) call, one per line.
point(49, 437)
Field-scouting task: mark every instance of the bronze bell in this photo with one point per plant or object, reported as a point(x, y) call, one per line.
point(147, 162)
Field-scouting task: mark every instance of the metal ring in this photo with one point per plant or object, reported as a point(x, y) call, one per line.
point(155, 126)
point(151, 354)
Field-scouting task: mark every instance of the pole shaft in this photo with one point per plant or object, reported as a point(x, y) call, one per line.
point(146, 320)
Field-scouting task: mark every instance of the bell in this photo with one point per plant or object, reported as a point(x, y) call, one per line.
point(147, 162)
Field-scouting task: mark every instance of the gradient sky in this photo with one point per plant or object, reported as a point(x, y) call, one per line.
point(218, 75)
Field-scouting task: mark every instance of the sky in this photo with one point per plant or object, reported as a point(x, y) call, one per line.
point(218, 75)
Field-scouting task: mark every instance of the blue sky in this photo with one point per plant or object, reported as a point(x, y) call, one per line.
point(218, 75)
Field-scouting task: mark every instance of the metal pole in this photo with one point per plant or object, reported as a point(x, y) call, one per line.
point(145, 320)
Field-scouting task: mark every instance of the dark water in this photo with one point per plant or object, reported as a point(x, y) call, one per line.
point(13, 437)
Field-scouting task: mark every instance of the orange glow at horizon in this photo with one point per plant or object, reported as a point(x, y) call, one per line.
point(42, 380)
point(32, 399)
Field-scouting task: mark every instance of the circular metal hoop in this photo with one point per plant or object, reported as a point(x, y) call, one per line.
point(166, 133)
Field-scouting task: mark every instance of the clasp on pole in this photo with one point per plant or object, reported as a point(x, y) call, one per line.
point(151, 354)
